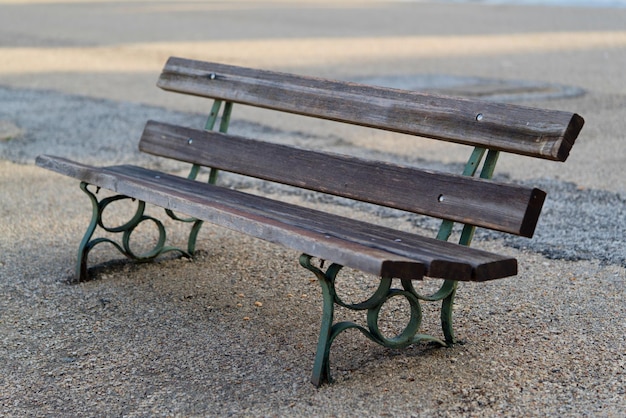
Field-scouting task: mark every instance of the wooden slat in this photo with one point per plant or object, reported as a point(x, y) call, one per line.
point(504, 207)
point(523, 130)
point(352, 243)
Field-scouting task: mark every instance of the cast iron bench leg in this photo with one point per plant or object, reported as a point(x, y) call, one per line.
point(126, 229)
point(329, 330)
point(321, 367)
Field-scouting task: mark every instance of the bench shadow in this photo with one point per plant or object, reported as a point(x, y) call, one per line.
point(107, 268)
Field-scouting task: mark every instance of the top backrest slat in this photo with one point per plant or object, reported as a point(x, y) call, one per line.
point(504, 207)
point(547, 134)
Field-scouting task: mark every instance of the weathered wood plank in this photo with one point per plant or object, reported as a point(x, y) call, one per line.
point(504, 207)
point(442, 258)
point(548, 134)
point(152, 187)
point(352, 243)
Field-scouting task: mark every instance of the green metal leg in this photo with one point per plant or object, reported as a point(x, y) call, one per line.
point(329, 330)
point(85, 246)
point(126, 229)
point(193, 236)
point(447, 305)
point(321, 366)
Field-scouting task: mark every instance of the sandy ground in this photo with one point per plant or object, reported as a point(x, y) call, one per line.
point(180, 338)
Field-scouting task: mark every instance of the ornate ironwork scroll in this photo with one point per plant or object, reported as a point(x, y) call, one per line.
point(329, 330)
point(139, 217)
point(410, 334)
point(126, 229)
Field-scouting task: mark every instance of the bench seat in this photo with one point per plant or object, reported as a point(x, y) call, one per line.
point(372, 248)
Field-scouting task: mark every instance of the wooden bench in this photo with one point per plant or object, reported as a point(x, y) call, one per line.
point(474, 201)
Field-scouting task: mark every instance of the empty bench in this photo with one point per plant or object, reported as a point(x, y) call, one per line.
point(470, 198)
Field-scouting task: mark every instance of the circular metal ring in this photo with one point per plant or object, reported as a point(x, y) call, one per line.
point(405, 337)
point(156, 250)
point(132, 223)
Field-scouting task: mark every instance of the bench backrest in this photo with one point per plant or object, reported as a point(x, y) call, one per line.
point(548, 134)
point(505, 207)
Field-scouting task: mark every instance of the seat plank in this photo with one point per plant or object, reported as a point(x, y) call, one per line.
point(373, 249)
point(547, 134)
point(505, 207)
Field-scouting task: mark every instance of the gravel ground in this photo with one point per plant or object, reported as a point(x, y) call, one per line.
point(233, 332)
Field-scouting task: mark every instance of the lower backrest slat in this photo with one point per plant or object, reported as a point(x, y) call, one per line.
point(509, 208)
